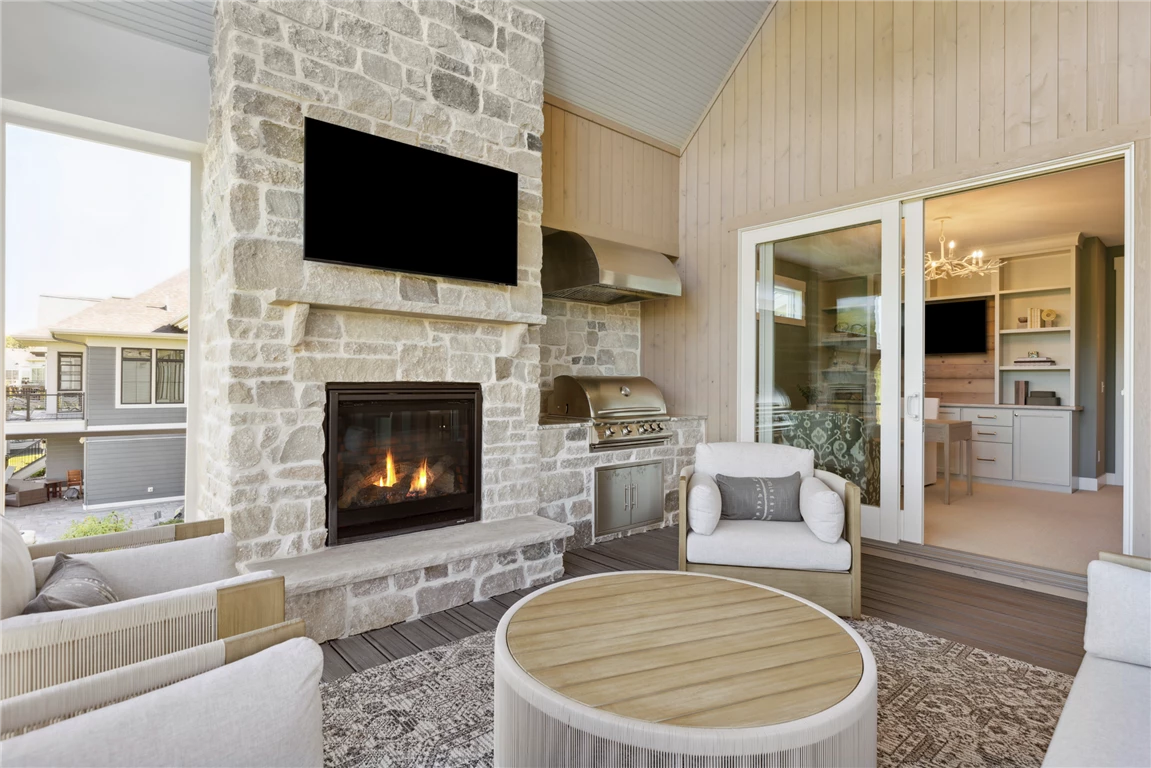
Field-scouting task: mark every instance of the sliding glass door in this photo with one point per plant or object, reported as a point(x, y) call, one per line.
point(820, 327)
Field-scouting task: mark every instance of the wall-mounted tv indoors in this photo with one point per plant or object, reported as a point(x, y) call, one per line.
point(377, 203)
point(955, 327)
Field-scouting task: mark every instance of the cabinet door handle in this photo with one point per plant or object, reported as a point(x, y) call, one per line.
point(980, 458)
point(634, 499)
point(626, 489)
point(981, 416)
point(992, 434)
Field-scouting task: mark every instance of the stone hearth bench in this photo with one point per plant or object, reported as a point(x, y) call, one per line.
point(354, 588)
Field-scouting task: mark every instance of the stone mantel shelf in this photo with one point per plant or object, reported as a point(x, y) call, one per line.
point(351, 563)
point(410, 309)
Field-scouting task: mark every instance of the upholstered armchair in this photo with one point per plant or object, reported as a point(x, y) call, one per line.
point(786, 555)
point(177, 586)
point(841, 445)
point(250, 700)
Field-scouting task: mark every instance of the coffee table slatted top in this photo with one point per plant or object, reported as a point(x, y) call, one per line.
point(685, 650)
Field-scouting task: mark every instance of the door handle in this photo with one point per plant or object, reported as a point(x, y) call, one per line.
point(634, 500)
point(910, 415)
point(626, 491)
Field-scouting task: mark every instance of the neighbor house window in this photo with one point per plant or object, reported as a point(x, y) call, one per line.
point(136, 377)
point(70, 369)
point(788, 300)
point(169, 376)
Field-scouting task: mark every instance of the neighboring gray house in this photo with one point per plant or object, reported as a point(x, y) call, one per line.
point(115, 397)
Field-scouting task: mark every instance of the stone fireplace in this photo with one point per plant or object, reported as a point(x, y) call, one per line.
point(401, 457)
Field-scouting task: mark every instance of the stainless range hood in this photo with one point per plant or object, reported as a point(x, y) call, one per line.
point(583, 268)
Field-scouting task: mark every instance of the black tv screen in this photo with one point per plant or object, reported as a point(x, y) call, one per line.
point(955, 327)
point(377, 203)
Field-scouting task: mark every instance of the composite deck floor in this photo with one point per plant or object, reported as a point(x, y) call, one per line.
point(1039, 629)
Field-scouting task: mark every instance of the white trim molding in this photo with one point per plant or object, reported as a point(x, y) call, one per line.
point(137, 503)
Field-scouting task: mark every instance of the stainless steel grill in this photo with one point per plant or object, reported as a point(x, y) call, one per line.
point(622, 411)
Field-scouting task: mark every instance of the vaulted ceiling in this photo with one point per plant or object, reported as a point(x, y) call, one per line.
point(652, 65)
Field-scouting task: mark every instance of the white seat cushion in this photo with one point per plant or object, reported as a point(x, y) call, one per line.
point(17, 578)
point(753, 460)
point(1104, 722)
point(704, 503)
point(771, 544)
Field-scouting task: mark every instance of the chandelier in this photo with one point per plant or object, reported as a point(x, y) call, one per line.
point(946, 264)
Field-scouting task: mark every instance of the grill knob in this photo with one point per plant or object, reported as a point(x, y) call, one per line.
point(609, 432)
point(627, 430)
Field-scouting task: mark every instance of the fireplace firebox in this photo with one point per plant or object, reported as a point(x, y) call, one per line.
point(401, 457)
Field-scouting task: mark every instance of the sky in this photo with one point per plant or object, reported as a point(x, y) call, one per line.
point(88, 219)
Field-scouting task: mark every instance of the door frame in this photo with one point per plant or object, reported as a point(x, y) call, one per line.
point(745, 363)
point(878, 522)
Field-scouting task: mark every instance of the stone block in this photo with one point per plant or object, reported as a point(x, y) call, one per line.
point(244, 206)
point(411, 54)
point(279, 59)
point(362, 32)
point(251, 522)
point(496, 106)
point(527, 22)
point(325, 613)
point(267, 264)
point(250, 19)
point(442, 38)
point(315, 72)
point(583, 535)
point(339, 117)
point(419, 289)
point(282, 142)
point(435, 572)
point(321, 46)
point(407, 579)
point(525, 55)
point(475, 27)
point(469, 367)
point(275, 394)
point(501, 583)
point(393, 15)
point(537, 551)
point(382, 69)
point(248, 101)
point(324, 369)
point(440, 597)
point(303, 444)
point(381, 611)
point(359, 94)
point(379, 586)
point(242, 451)
point(291, 517)
point(265, 171)
point(368, 327)
point(454, 91)
point(421, 362)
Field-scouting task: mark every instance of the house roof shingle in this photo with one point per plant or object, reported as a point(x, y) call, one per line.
point(156, 310)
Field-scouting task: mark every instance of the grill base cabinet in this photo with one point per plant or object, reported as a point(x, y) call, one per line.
point(628, 496)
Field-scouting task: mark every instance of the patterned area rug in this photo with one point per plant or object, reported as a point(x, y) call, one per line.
point(940, 704)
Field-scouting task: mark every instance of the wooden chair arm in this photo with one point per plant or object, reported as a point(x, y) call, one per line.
point(157, 534)
point(1131, 561)
point(250, 606)
point(250, 643)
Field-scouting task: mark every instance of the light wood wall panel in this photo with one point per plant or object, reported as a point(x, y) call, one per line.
point(606, 183)
point(858, 100)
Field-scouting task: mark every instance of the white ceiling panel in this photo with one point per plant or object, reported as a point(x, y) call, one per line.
point(187, 24)
point(652, 65)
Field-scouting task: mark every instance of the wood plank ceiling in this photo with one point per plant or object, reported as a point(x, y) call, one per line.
point(652, 66)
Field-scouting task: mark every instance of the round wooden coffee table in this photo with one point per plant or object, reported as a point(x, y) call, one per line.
point(648, 667)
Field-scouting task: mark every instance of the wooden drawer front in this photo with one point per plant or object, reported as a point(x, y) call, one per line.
point(951, 414)
point(981, 433)
point(988, 416)
point(992, 460)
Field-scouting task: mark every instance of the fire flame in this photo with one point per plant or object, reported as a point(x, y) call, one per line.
point(390, 480)
point(421, 483)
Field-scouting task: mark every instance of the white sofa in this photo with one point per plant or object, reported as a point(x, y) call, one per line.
point(1107, 718)
point(177, 587)
point(196, 707)
point(784, 555)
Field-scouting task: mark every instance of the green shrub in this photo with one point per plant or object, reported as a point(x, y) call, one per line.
point(39, 473)
point(91, 525)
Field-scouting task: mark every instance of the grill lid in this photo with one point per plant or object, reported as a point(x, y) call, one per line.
point(605, 397)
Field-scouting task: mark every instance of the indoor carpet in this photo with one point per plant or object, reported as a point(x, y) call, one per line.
point(940, 703)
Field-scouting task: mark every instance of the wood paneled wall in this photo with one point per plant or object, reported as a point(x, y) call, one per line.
point(836, 103)
point(608, 183)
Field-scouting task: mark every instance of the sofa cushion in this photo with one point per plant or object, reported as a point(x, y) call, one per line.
point(704, 503)
point(163, 567)
point(1104, 722)
point(71, 584)
point(263, 710)
point(1118, 613)
point(822, 510)
point(760, 498)
point(759, 544)
point(753, 460)
point(17, 578)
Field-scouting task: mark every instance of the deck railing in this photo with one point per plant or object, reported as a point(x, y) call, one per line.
point(34, 404)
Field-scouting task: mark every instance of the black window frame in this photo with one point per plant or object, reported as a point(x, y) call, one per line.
point(79, 357)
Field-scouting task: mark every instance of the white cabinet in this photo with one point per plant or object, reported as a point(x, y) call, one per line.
point(1041, 447)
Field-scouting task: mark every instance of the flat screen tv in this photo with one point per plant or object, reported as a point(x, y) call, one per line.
point(955, 327)
point(381, 204)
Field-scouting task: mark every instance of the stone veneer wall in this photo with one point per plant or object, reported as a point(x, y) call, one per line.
point(587, 340)
point(458, 77)
point(567, 480)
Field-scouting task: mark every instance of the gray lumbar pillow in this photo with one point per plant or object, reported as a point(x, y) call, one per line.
point(71, 584)
point(760, 498)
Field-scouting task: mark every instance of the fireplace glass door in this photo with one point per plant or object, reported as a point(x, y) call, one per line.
point(401, 462)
